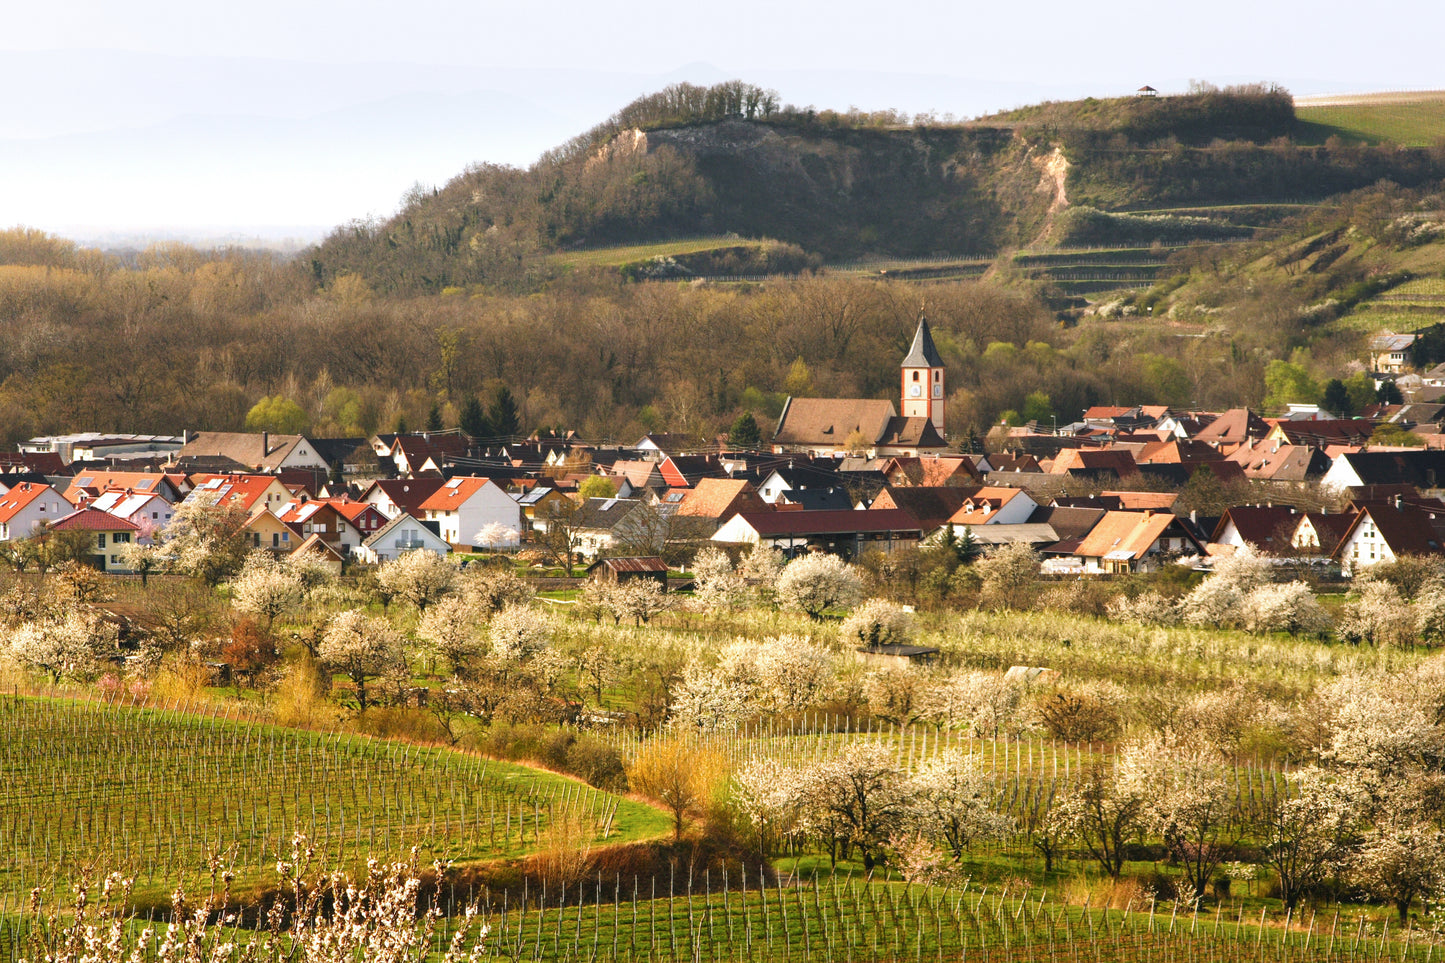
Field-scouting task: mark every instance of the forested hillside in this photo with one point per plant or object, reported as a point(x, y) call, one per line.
point(694, 161)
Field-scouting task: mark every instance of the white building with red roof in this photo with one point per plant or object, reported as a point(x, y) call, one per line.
point(150, 513)
point(464, 507)
point(28, 507)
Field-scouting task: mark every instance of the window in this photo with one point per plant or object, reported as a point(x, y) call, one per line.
point(120, 538)
point(915, 376)
point(100, 540)
point(938, 376)
point(115, 560)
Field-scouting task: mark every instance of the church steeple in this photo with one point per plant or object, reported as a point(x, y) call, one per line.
point(923, 354)
point(923, 378)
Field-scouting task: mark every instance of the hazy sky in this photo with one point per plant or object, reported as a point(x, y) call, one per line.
point(290, 117)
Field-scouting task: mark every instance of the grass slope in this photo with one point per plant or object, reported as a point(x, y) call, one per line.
point(153, 793)
point(1410, 120)
point(631, 253)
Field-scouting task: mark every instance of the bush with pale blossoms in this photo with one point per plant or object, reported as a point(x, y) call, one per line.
point(793, 672)
point(1146, 608)
point(1289, 607)
point(456, 631)
point(708, 701)
point(520, 632)
point(952, 803)
point(1429, 610)
point(1379, 617)
point(334, 919)
point(979, 703)
point(266, 586)
point(75, 644)
point(361, 647)
point(718, 586)
point(877, 622)
point(1221, 599)
point(420, 577)
point(816, 583)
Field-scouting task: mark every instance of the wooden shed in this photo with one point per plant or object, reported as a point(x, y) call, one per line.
point(626, 569)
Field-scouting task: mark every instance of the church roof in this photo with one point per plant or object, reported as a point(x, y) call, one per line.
point(829, 421)
point(923, 354)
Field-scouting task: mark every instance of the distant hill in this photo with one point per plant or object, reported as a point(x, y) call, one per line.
point(728, 160)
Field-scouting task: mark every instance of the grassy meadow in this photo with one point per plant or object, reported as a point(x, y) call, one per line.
point(1409, 120)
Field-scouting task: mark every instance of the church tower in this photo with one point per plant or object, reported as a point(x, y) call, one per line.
point(923, 378)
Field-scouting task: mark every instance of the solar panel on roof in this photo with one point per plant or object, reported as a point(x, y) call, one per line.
point(84, 481)
point(145, 483)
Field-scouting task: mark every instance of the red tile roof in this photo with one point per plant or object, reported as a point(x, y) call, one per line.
point(93, 520)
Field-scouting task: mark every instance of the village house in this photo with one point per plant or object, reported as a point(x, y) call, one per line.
point(1390, 352)
point(110, 537)
point(604, 525)
point(397, 496)
point(306, 517)
point(1422, 468)
point(404, 533)
point(464, 507)
point(258, 451)
point(1135, 542)
point(993, 506)
point(249, 493)
point(845, 533)
point(28, 507)
point(1280, 461)
point(149, 513)
point(713, 501)
point(265, 530)
point(1382, 533)
point(90, 483)
point(1318, 533)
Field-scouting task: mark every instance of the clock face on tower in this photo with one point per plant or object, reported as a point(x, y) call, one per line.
point(915, 390)
point(938, 391)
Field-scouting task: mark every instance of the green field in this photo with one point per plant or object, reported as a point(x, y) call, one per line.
point(629, 254)
point(1410, 121)
point(153, 793)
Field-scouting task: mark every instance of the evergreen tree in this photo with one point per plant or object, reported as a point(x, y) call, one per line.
point(1337, 398)
point(434, 418)
point(1389, 394)
point(744, 432)
point(474, 419)
point(503, 414)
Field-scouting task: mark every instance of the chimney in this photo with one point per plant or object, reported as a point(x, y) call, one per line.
point(1193, 517)
point(265, 443)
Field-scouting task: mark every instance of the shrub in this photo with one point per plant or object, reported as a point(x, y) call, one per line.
point(1009, 574)
point(1088, 712)
point(816, 583)
point(1147, 608)
point(877, 622)
point(597, 763)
